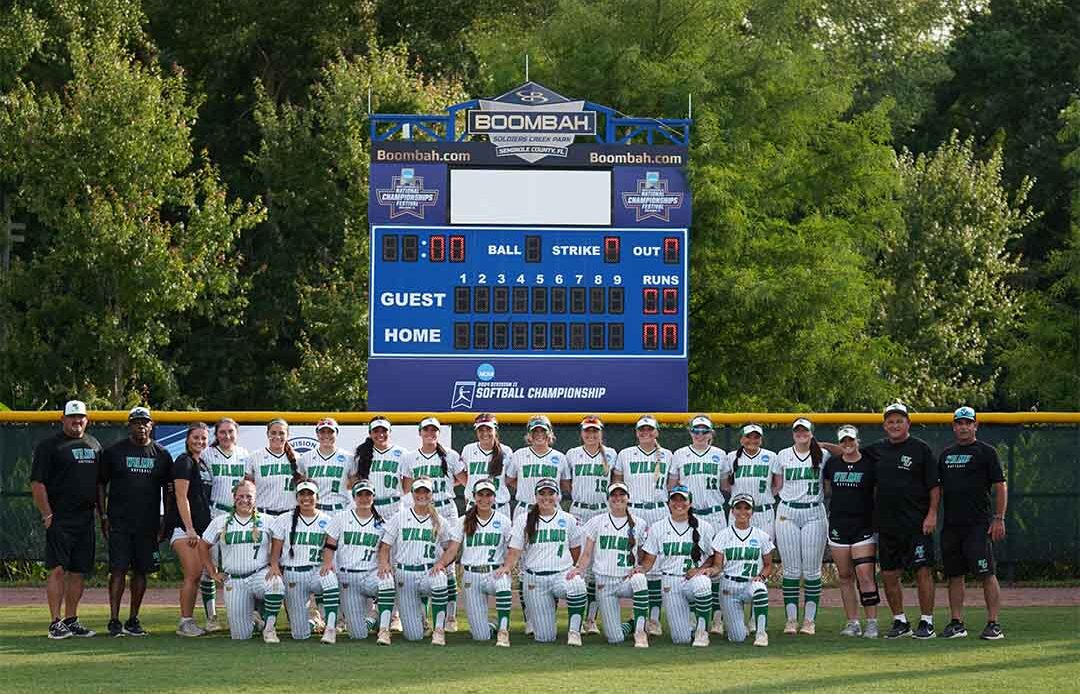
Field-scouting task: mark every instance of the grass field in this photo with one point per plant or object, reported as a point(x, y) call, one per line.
point(1040, 653)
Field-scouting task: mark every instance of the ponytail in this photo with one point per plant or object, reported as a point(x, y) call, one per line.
point(531, 521)
point(290, 454)
point(292, 529)
point(695, 551)
point(630, 532)
point(735, 464)
point(471, 520)
point(364, 454)
point(495, 465)
point(436, 521)
point(815, 453)
point(603, 461)
point(442, 457)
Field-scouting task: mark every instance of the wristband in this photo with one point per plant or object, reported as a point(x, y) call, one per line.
point(48, 517)
point(1000, 518)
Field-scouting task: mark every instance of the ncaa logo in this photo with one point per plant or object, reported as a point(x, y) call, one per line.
point(485, 372)
point(753, 542)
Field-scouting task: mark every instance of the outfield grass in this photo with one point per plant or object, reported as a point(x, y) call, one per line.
point(1041, 652)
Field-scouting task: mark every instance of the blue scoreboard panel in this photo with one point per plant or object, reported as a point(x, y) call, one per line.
point(522, 271)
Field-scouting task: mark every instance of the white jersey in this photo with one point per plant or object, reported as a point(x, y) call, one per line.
point(645, 474)
point(701, 473)
point(475, 461)
point(385, 473)
point(227, 470)
point(612, 555)
point(672, 544)
point(589, 474)
point(331, 473)
point(357, 540)
point(550, 549)
point(242, 553)
point(306, 542)
point(419, 464)
point(752, 475)
point(486, 546)
point(529, 468)
point(744, 550)
point(802, 483)
point(414, 539)
point(273, 475)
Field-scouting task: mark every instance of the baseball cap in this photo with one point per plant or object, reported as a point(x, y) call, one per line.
point(743, 498)
point(546, 483)
point(363, 486)
point(803, 422)
point(964, 412)
point(139, 413)
point(484, 485)
point(847, 431)
point(701, 422)
point(421, 483)
point(327, 423)
point(752, 429)
point(896, 407)
point(615, 486)
point(74, 407)
point(379, 422)
point(307, 486)
point(647, 421)
point(680, 490)
point(592, 422)
point(539, 421)
point(485, 419)
point(430, 422)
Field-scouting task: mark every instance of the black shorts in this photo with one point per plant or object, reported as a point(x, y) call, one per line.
point(69, 543)
point(905, 551)
point(966, 549)
point(849, 531)
point(135, 550)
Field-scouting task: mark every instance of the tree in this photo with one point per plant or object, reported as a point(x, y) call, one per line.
point(949, 302)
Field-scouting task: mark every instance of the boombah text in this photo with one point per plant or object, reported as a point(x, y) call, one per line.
point(752, 471)
point(417, 535)
point(678, 549)
point(479, 539)
point(534, 470)
point(551, 535)
point(271, 469)
point(795, 474)
point(358, 538)
point(742, 553)
point(589, 470)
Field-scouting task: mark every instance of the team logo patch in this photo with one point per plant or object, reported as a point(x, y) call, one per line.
point(562, 522)
point(716, 459)
point(905, 462)
point(322, 524)
point(396, 453)
point(651, 198)
point(753, 542)
point(497, 524)
point(341, 458)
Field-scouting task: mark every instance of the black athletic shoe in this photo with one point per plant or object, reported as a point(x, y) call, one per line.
point(132, 627)
point(992, 632)
point(898, 629)
point(954, 630)
point(58, 630)
point(115, 628)
point(78, 629)
point(924, 631)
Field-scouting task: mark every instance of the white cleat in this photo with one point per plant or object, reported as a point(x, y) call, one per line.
point(717, 624)
point(641, 639)
point(762, 639)
point(270, 635)
point(752, 626)
point(791, 627)
point(808, 628)
point(438, 637)
point(451, 625)
point(590, 627)
point(384, 637)
point(395, 622)
point(573, 638)
point(503, 639)
point(871, 631)
point(212, 624)
point(701, 638)
point(653, 628)
point(329, 635)
point(852, 629)
point(258, 621)
point(528, 629)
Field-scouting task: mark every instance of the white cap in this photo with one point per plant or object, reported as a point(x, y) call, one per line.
point(430, 422)
point(484, 485)
point(752, 429)
point(379, 422)
point(616, 486)
point(847, 432)
point(592, 422)
point(485, 420)
point(647, 421)
point(896, 407)
point(803, 422)
point(138, 413)
point(743, 498)
point(546, 483)
point(307, 486)
point(74, 408)
point(421, 483)
point(701, 421)
point(327, 423)
point(539, 421)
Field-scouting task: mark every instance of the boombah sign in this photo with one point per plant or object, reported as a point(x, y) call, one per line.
point(528, 252)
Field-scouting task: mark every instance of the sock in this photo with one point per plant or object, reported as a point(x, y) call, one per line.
point(371, 623)
point(386, 607)
point(641, 609)
point(504, 600)
point(209, 596)
point(655, 598)
point(592, 606)
point(902, 618)
point(812, 592)
point(702, 610)
point(271, 607)
point(760, 609)
point(521, 599)
point(451, 595)
point(627, 627)
point(928, 618)
point(790, 587)
point(716, 597)
point(575, 606)
point(331, 599)
point(438, 608)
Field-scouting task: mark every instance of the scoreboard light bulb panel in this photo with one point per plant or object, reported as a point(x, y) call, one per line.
point(528, 292)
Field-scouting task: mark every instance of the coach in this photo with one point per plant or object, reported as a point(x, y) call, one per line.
point(970, 471)
point(63, 484)
point(134, 472)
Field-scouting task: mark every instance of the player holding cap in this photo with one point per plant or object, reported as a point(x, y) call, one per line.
point(242, 540)
point(644, 469)
point(609, 555)
point(680, 547)
point(487, 458)
point(743, 561)
point(548, 542)
point(274, 471)
point(484, 535)
point(590, 466)
point(801, 525)
point(298, 539)
point(226, 461)
point(329, 467)
point(415, 537)
point(750, 464)
point(703, 469)
point(380, 461)
point(352, 542)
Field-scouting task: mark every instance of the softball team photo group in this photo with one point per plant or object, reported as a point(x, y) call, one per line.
point(369, 542)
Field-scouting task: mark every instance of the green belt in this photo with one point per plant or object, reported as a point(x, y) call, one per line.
point(648, 505)
point(329, 507)
point(272, 513)
point(796, 504)
point(243, 576)
point(544, 573)
point(357, 571)
point(223, 507)
point(759, 509)
point(485, 569)
point(589, 507)
point(298, 569)
point(737, 579)
point(709, 510)
point(415, 567)
point(384, 502)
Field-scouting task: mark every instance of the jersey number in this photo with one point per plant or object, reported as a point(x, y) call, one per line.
point(257, 548)
point(491, 555)
point(368, 553)
point(812, 488)
point(625, 561)
point(429, 551)
point(390, 482)
point(748, 570)
point(712, 484)
point(313, 555)
point(601, 485)
point(762, 488)
point(560, 551)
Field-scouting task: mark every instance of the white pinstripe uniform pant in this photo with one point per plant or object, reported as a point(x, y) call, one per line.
point(734, 596)
point(801, 534)
point(609, 589)
point(411, 585)
point(299, 585)
point(240, 596)
point(542, 595)
point(679, 595)
point(359, 589)
point(476, 587)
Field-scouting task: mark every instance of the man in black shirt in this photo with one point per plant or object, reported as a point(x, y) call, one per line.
point(970, 470)
point(134, 472)
point(63, 483)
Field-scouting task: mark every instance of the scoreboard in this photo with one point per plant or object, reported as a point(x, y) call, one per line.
point(520, 270)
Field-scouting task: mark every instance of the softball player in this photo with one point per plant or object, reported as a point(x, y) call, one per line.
point(242, 540)
point(329, 467)
point(590, 466)
point(274, 471)
point(680, 548)
point(644, 469)
point(535, 462)
point(608, 555)
point(484, 535)
point(226, 462)
point(703, 469)
point(486, 459)
point(352, 542)
point(801, 525)
point(380, 461)
point(743, 559)
point(297, 551)
point(749, 465)
point(548, 542)
point(445, 469)
point(415, 536)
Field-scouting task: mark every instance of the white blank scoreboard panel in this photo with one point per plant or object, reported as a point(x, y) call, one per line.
point(532, 197)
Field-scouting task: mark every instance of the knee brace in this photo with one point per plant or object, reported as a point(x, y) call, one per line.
point(863, 560)
point(870, 599)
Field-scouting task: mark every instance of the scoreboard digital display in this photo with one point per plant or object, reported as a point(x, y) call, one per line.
point(516, 269)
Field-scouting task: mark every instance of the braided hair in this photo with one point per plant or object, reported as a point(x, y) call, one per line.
point(695, 551)
point(442, 458)
point(735, 464)
point(531, 521)
point(365, 453)
point(815, 453)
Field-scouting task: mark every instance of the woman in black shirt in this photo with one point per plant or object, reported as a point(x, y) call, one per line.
point(187, 516)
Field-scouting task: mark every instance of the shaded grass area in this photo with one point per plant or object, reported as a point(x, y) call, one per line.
point(1041, 652)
